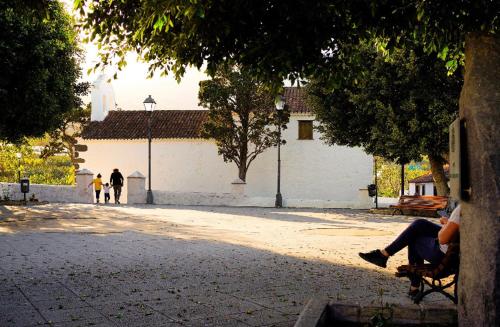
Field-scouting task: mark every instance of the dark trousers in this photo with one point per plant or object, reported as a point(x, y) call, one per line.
point(106, 197)
point(118, 191)
point(421, 239)
point(97, 194)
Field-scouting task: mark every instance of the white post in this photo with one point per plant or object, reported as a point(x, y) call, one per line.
point(136, 188)
point(84, 193)
point(364, 200)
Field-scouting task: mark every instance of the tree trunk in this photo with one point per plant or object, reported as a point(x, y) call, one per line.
point(242, 172)
point(479, 281)
point(438, 175)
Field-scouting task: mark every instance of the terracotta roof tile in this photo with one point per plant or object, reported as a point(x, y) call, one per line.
point(295, 98)
point(133, 124)
point(428, 178)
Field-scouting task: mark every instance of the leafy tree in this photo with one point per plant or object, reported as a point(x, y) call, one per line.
point(389, 177)
point(241, 117)
point(276, 39)
point(39, 60)
point(398, 107)
point(63, 138)
point(57, 170)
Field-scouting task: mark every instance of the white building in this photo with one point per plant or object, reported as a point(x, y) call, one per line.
point(313, 174)
point(424, 185)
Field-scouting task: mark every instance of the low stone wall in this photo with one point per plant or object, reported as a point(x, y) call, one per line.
point(51, 193)
point(237, 200)
point(79, 193)
point(136, 194)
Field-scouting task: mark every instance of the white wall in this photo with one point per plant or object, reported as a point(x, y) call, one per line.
point(310, 169)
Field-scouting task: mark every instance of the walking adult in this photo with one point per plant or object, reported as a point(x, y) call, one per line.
point(116, 181)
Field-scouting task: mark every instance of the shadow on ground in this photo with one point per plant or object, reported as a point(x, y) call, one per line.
point(76, 265)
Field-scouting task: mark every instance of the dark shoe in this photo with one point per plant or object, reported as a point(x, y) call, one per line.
point(376, 257)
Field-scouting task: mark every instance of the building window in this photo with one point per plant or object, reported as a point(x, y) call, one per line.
point(423, 189)
point(305, 130)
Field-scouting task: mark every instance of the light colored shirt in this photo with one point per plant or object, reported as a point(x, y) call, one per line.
point(106, 188)
point(455, 218)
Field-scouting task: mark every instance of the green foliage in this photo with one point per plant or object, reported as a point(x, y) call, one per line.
point(51, 170)
point(397, 106)
point(276, 39)
point(389, 176)
point(63, 138)
point(39, 67)
point(241, 117)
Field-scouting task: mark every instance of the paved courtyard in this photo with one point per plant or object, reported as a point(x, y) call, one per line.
point(88, 265)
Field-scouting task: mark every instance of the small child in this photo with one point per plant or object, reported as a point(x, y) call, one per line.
point(97, 186)
point(107, 197)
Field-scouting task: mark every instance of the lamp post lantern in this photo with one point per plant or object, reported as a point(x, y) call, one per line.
point(149, 105)
point(280, 106)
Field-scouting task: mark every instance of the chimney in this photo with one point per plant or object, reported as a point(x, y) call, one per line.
point(102, 97)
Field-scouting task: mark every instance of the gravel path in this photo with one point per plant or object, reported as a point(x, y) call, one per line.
point(88, 265)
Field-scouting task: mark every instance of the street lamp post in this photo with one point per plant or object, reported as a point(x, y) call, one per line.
point(280, 105)
point(19, 156)
point(376, 183)
point(149, 105)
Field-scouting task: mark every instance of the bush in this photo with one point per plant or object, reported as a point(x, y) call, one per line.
point(57, 170)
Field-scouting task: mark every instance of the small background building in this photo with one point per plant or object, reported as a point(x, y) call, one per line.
point(313, 173)
point(424, 185)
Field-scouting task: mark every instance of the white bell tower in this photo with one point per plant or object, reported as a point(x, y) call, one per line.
point(103, 98)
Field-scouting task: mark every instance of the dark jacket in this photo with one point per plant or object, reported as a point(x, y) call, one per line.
point(116, 178)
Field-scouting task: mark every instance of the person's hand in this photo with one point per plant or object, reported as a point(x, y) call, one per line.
point(443, 220)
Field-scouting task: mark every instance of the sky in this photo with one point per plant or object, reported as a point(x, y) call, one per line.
point(132, 85)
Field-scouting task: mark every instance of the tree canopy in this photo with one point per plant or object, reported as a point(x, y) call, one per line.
point(62, 139)
point(241, 118)
point(276, 39)
point(397, 106)
point(39, 60)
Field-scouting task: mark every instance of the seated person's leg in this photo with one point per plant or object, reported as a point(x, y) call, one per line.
point(428, 249)
point(418, 228)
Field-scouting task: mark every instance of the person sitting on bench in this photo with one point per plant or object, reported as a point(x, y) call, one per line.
point(425, 241)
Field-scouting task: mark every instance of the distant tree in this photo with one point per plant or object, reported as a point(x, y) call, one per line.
point(57, 170)
point(39, 67)
point(241, 118)
point(63, 138)
point(397, 106)
point(389, 177)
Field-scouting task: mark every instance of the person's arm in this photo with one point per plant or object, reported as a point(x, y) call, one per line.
point(450, 230)
point(447, 233)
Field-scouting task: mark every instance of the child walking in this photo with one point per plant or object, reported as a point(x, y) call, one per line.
point(97, 186)
point(107, 197)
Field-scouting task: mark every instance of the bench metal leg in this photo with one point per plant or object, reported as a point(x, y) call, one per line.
point(436, 286)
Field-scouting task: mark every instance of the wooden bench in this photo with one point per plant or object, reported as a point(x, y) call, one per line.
point(432, 275)
point(426, 203)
